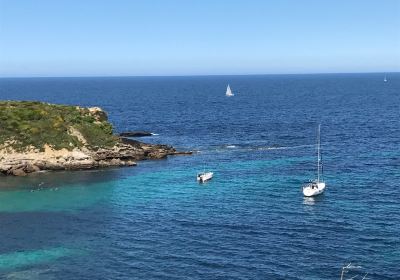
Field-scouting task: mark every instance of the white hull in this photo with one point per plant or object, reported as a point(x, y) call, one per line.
point(203, 177)
point(314, 189)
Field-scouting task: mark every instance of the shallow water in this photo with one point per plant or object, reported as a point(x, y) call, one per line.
point(251, 221)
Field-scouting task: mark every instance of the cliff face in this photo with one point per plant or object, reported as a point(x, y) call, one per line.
point(38, 136)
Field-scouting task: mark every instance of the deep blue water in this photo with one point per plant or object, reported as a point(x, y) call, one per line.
point(251, 221)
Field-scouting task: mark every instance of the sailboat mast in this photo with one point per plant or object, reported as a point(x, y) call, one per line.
point(318, 151)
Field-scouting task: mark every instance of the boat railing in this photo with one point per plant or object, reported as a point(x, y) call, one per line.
point(349, 267)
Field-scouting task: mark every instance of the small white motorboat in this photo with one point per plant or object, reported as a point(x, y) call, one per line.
point(204, 176)
point(316, 186)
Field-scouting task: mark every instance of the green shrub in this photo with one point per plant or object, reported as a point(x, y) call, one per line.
point(28, 123)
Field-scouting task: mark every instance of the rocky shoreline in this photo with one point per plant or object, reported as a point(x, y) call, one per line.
point(124, 152)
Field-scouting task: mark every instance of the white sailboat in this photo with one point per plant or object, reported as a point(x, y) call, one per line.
point(316, 186)
point(384, 79)
point(229, 91)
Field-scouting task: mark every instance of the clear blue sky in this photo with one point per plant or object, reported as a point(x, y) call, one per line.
point(191, 37)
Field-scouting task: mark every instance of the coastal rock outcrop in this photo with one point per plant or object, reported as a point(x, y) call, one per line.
point(135, 134)
point(38, 136)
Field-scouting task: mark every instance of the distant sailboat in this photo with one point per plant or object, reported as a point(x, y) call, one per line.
point(229, 91)
point(384, 79)
point(317, 186)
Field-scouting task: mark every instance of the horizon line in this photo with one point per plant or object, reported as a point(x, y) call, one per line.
point(194, 75)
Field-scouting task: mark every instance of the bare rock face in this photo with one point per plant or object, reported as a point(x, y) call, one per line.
point(98, 114)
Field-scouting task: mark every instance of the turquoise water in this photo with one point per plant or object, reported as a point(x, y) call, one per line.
point(251, 221)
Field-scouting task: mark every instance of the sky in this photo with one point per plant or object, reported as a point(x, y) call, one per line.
point(197, 37)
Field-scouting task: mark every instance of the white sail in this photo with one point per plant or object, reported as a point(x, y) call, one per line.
point(229, 91)
point(385, 80)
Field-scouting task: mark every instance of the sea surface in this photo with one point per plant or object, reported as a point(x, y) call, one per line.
point(154, 221)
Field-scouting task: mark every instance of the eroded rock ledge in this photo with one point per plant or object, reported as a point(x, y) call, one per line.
point(79, 153)
point(139, 133)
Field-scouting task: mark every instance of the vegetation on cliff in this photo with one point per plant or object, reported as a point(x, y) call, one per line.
point(26, 124)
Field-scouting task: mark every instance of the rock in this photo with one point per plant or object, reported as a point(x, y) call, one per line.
point(29, 168)
point(51, 165)
point(18, 172)
point(182, 153)
point(98, 114)
point(135, 134)
point(115, 162)
point(79, 155)
point(130, 142)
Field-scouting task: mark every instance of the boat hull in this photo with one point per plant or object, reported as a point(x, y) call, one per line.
point(203, 177)
point(314, 189)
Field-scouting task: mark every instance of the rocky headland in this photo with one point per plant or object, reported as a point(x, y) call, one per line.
point(37, 136)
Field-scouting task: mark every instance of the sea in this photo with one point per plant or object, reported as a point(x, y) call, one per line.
point(251, 221)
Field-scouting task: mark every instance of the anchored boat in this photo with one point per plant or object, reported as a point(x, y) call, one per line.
point(316, 186)
point(204, 176)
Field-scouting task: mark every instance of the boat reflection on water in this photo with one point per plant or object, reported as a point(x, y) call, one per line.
point(309, 201)
point(312, 200)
